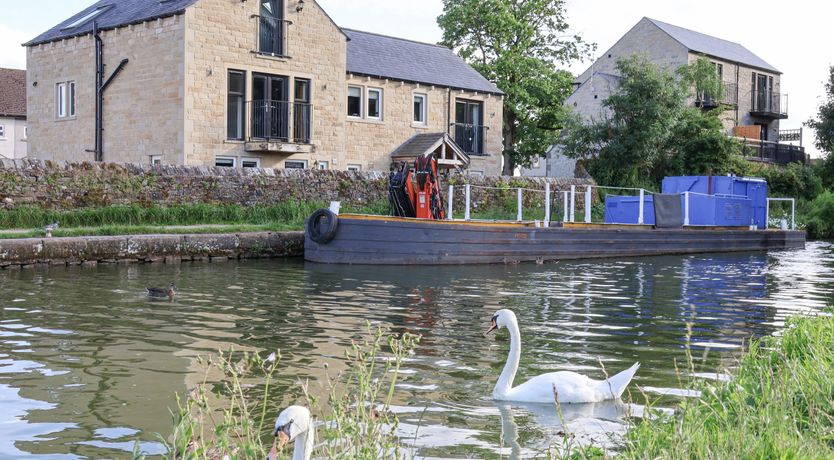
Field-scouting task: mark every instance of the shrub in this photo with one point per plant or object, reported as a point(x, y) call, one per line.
point(819, 220)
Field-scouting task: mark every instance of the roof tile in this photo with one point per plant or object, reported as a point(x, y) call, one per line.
point(12, 93)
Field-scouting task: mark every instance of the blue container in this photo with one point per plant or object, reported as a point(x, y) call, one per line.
point(625, 209)
point(732, 201)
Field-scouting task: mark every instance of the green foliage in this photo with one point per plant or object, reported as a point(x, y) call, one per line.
point(779, 404)
point(823, 125)
point(702, 80)
point(649, 132)
point(234, 417)
point(819, 220)
point(792, 181)
point(518, 45)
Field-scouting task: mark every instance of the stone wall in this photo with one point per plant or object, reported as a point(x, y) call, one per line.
point(57, 185)
point(91, 251)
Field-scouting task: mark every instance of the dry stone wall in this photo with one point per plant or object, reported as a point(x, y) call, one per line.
point(62, 186)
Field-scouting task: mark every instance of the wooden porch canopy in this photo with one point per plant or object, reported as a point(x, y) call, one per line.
point(449, 155)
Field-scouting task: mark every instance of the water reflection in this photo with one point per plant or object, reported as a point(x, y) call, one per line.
point(87, 363)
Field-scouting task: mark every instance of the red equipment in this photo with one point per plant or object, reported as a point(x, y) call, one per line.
point(416, 194)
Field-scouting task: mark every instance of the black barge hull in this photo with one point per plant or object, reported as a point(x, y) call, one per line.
point(397, 241)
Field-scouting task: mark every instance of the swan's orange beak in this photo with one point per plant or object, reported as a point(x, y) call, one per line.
point(284, 440)
point(493, 326)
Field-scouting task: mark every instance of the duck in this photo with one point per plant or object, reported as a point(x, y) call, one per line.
point(562, 387)
point(294, 424)
point(48, 229)
point(160, 293)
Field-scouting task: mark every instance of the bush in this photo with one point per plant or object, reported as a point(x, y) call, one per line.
point(792, 181)
point(819, 220)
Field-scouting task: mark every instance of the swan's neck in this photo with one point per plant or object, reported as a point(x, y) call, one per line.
point(505, 381)
point(303, 446)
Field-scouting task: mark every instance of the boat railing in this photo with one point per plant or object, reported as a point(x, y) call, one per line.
point(792, 201)
point(567, 200)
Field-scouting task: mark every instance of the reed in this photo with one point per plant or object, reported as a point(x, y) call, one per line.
point(233, 418)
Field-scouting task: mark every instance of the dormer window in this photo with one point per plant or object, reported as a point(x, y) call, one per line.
point(87, 17)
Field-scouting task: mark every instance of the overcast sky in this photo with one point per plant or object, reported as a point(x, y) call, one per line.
point(795, 37)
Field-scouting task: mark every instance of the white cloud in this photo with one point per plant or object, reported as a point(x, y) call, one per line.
point(13, 55)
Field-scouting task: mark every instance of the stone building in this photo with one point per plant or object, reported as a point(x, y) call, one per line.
point(258, 83)
point(752, 87)
point(13, 131)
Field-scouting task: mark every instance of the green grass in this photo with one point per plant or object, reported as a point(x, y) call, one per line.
point(111, 230)
point(779, 404)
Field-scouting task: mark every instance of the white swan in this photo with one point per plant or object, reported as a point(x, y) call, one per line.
point(294, 424)
point(570, 386)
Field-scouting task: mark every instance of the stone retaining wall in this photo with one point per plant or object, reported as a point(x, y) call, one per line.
point(60, 186)
point(90, 251)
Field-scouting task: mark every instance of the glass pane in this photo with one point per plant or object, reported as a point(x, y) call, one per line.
point(374, 97)
point(354, 102)
point(225, 162)
point(302, 90)
point(72, 99)
point(259, 88)
point(236, 82)
point(61, 100)
point(460, 112)
point(419, 103)
point(250, 163)
point(235, 121)
point(295, 165)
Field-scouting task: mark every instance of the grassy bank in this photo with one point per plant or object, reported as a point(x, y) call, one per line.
point(779, 404)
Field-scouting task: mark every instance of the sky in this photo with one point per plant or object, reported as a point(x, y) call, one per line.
point(795, 37)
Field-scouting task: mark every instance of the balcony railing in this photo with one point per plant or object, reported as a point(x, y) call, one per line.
point(774, 152)
point(768, 104)
point(730, 97)
point(471, 138)
point(272, 36)
point(276, 120)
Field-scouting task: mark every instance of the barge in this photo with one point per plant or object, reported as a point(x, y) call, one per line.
point(692, 215)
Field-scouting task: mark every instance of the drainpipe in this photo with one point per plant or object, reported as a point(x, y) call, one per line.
point(101, 86)
point(449, 111)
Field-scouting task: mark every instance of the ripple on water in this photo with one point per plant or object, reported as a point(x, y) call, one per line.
point(102, 364)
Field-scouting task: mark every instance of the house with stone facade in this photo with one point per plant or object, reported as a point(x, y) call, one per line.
point(752, 101)
point(13, 131)
point(257, 83)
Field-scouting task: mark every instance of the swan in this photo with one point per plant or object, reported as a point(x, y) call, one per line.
point(294, 424)
point(568, 387)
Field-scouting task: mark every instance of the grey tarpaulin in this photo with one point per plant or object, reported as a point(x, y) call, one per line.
point(667, 211)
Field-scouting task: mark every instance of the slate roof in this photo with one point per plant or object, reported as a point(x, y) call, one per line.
point(423, 144)
point(12, 93)
point(116, 13)
point(713, 46)
point(399, 59)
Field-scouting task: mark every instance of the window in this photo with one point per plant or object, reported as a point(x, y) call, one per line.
point(235, 108)
point(272, 28)
point(2, 131)
point(65, 99)
point(354, 105)
point(25, 132)
point(156, 159)
point(323, 164)
point(86, 18)
point(476, 173)
point(247, 163)
point(225, 162)
point(375, 103)
point(719, 69)
point(420, 108)
point(354, 167)
point(295, 164)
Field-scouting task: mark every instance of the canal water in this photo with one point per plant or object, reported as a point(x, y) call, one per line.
point(88, 365)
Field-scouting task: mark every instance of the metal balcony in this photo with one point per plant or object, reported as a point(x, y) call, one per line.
point(767, 104)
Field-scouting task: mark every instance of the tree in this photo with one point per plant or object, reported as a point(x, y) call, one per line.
point(823, 126)
point(649, 131)
point(518, 44)
point(702, 79)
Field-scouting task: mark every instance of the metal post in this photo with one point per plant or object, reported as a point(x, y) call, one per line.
point(565, 206)
point(686, 208)
point(573, 203)
point(520, 217)
point(640, 217)
point(588, 205)
point(466, 213)
point(547, 204)
point(793, 214)
point(767, 214)
point(451, 214)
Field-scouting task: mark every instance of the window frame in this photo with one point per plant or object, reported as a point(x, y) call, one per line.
point(424, 113)
point(241, 119)
point(322, 165)
point(225, 157)
point(301, 162)
point(361, 102)
point(65, 100)
point(156, 160)
point(3, 132)
point(379, 108)
point(255, 160)
point(354, 167)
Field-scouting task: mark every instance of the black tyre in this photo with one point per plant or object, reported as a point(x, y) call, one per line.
point(322, 226)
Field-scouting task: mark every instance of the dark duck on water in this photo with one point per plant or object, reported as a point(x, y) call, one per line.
point(161, 293)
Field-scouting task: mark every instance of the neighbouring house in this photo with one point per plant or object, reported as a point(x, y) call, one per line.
point(258, 83)
point(13, 130)
point(752, 91)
